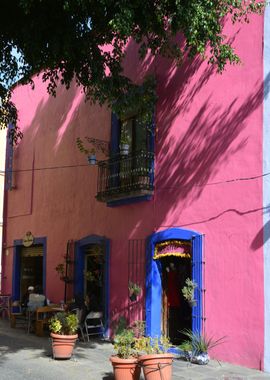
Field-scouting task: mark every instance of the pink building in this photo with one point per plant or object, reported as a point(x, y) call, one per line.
point(190, 198)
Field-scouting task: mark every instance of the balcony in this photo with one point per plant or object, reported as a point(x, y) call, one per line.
point(125, 177)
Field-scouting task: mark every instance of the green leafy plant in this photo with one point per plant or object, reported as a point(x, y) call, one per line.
point(124, 344)
point(199, 343)
point(121, 325)
point(138, 328)
point(124, 138)
point(148, 345)
point(64, 323)
point(186, 346)
point(60, 269)
point(90, 276)
point(188, 289)
point(200, 23)
point(83, 149)
point(134, 289)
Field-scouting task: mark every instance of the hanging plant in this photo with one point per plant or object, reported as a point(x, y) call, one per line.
point(92, 276)
point(60, 269)
point(188, 291)
point(92, 158)
point(91, 153)
point(134, 290)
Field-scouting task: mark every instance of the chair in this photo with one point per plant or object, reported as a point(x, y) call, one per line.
point(93, 324)
point(17, 315)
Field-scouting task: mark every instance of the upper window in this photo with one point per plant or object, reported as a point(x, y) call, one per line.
point(129, 174)
point(134, 135)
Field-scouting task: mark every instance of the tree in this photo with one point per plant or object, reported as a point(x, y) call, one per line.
point(66, 40)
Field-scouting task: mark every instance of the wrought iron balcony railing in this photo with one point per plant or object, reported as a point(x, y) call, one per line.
point(123, 177)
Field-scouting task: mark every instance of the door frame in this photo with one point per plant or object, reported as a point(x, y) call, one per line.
point(79, 269)
point(16, 273)
point(153, 302)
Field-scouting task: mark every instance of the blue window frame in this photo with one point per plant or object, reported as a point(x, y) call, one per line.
point(128, 177)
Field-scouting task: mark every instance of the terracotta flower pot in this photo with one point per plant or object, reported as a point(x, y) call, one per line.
point(125, 369)
point(157, 366)
point(62, 345)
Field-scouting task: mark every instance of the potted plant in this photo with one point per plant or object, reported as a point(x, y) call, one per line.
point(186, 349)
point(188, 291)
point(154, 358)
point(196, 347)
point(125, 362)
point(92, 158)
point(63, 327)
point(134, 290)
point(91, 154)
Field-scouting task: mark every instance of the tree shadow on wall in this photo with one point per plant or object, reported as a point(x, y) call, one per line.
point(188, 165)
point(173, 82)
point(263, 235)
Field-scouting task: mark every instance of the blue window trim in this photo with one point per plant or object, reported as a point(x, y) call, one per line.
point(154, 283)
point(16, 275)
point(79, 269)
point(115, 140)
point(123, 202)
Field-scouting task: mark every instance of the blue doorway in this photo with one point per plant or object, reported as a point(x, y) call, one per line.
point(29, 267)
point(91, 275)
point(154, 281)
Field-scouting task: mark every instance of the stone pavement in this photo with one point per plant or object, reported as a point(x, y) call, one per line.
point(24, 356)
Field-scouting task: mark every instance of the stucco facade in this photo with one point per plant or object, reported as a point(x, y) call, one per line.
point(209, 171)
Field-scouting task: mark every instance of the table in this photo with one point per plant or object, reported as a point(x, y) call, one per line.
point(43, 314)
point(4, 304)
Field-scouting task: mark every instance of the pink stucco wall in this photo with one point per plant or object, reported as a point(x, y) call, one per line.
point(207, 178)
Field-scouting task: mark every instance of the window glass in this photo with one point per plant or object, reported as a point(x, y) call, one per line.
point(134, 133)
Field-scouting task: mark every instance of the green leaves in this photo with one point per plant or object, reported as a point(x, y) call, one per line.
point(64, 323)
point(198, 343)
point(124, 344)
point(64, 40)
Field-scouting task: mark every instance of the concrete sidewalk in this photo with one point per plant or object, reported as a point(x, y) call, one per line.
point(28, 357)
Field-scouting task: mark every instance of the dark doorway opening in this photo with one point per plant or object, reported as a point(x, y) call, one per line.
point(176, 312)
point(94, 275)
point(31, 273)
